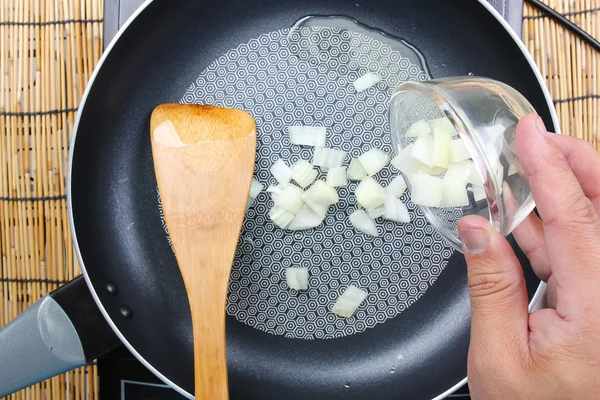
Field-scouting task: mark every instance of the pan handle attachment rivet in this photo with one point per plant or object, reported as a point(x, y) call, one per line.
point(111, 287)
point(126, 311)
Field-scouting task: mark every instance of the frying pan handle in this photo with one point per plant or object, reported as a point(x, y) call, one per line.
point(61, 331)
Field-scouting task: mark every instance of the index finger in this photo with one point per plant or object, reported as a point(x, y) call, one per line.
point(571, 225)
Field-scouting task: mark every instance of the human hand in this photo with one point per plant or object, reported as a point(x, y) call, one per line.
point(552, 353)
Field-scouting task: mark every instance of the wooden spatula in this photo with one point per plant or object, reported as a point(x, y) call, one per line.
point(204, 161)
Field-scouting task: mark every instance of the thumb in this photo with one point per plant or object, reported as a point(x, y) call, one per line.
point(497, 289)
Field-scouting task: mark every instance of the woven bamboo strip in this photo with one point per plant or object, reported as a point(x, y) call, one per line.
point(571, 67)
point(43, 69)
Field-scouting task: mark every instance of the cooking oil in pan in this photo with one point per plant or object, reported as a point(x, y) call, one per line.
point(303, 75)
point(322, 40)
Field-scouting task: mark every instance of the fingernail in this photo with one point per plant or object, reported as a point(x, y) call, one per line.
point(475, 241)
point(539, 124)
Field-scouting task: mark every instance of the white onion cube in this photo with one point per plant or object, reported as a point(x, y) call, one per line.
point(495, 132)
point(369, 193)
point(280, 217)
point(361, 221)
point(478, 193)
point(308, 135)
point(366, 81)
point(303, 173)
point(417, 129)
point(443, 124)
point(321, 193)
point(441, 148)
point(347, 304)
point(397, 186)
point(336, 177)
point(305, 219)
point(356, 172)
point(474, 177)
point(426, 190)
point(460, 171)
point(454, 194)
point(318, 208)
point(374, 161)
point(297, 278)
point(395, 210)
point(376, 212)
point(422, 150)
point(458, 151)
point(328, 158)
point(290, 199)
point(281, 172)
point(255, 188)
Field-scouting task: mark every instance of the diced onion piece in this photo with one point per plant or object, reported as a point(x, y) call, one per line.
point(409, 165)
point(395, 210)
point(305, 219)
point(479, 193)
point(405, 163)
point(328, 158)
point(495, 132)
point(356, 171)
point(458, 151)
point(347, 304)
point(321, 193)
point(460, 171)
point(250, 202)
point(297, 278)
point(275, 192)
point(255, 188)
point(376, 212)
point(374, 161)
point(291, 199)
point(281, 172)
point(366, 81)
point(308, 135)
point(303, 173)
point(369, 193)
point(443, 124)
point(400, 159)
point(422, 150)
point(426, 190)
point(454, 193)
point(319, 209)
point(441, 148)
point(474, 178)
point(361, 221)
point(435, 171)
point(336, 177)
point(280, 217)
point(397, 186)
point(417, 129)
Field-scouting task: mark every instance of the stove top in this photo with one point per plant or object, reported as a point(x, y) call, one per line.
point(121, 375)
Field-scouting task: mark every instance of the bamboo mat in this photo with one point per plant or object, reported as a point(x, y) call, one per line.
point(48, 49)
point(571, 67)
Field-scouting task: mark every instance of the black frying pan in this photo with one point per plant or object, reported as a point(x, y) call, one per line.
point(420, 353)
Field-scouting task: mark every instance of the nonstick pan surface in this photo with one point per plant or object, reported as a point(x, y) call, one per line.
point(410, 339)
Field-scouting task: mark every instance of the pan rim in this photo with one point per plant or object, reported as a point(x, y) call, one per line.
point(536, 302)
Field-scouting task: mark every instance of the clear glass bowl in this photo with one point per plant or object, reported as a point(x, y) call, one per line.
point(484, 113)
